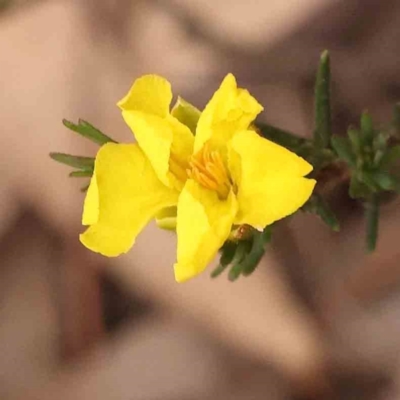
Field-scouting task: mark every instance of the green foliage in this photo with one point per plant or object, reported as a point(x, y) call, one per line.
point(370, 156)
point(344, 149)
point(243, 255)
point(80, 162)
point(317, 205)
point(88, 131)
point(84, 165)
point(322, 103)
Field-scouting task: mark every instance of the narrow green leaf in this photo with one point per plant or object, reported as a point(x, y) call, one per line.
point(385, 181)
point(80, 162)
point(227, 253)
point(317, 205)
point(322, 130)
point(344, 150)
point(367, 129)
point(255, 255)
point(378, 158)
point(367, 178)
point(355, 139)
point(81, 174)
point(326, 214)
point(237, 268)
point(88, 131)
point(279, 136)
point(218, 270)
point(379, 142)
point(372, 220)
point(235, 272)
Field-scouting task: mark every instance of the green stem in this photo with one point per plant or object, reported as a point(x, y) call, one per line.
point(372, 218)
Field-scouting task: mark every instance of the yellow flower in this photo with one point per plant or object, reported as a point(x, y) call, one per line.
point(224, 175)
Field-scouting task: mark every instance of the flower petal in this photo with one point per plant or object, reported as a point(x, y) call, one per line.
point(129, 195)
point(162, 139)
point(229, 110)
point(91, 205)
point(151, 94)
point(270, 179)
point(203, 224)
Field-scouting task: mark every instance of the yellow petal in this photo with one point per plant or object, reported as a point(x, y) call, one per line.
point(129, 195)
point(270, 179)
point(229, 110)
point(161, 138)
point(150, 94)
point(91, 205)
point(204, 223)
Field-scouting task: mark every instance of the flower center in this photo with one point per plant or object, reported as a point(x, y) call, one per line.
point(208, 169)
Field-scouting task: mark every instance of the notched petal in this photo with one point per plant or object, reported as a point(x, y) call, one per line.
point(269, 178)
point(150, 94)
point(230, 109)
point(129, 196)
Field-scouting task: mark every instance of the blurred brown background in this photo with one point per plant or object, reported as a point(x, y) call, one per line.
point(318, 320)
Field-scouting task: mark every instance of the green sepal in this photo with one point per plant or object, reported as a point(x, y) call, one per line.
point(80, 162)
point(186, 113)
point(81, 174)
point(227, 253)
point(344, 150)
point(88, 131)
point(254, 253)
point(252, 259)
point(242, 250)
point(167, 218)
point(322, 105)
